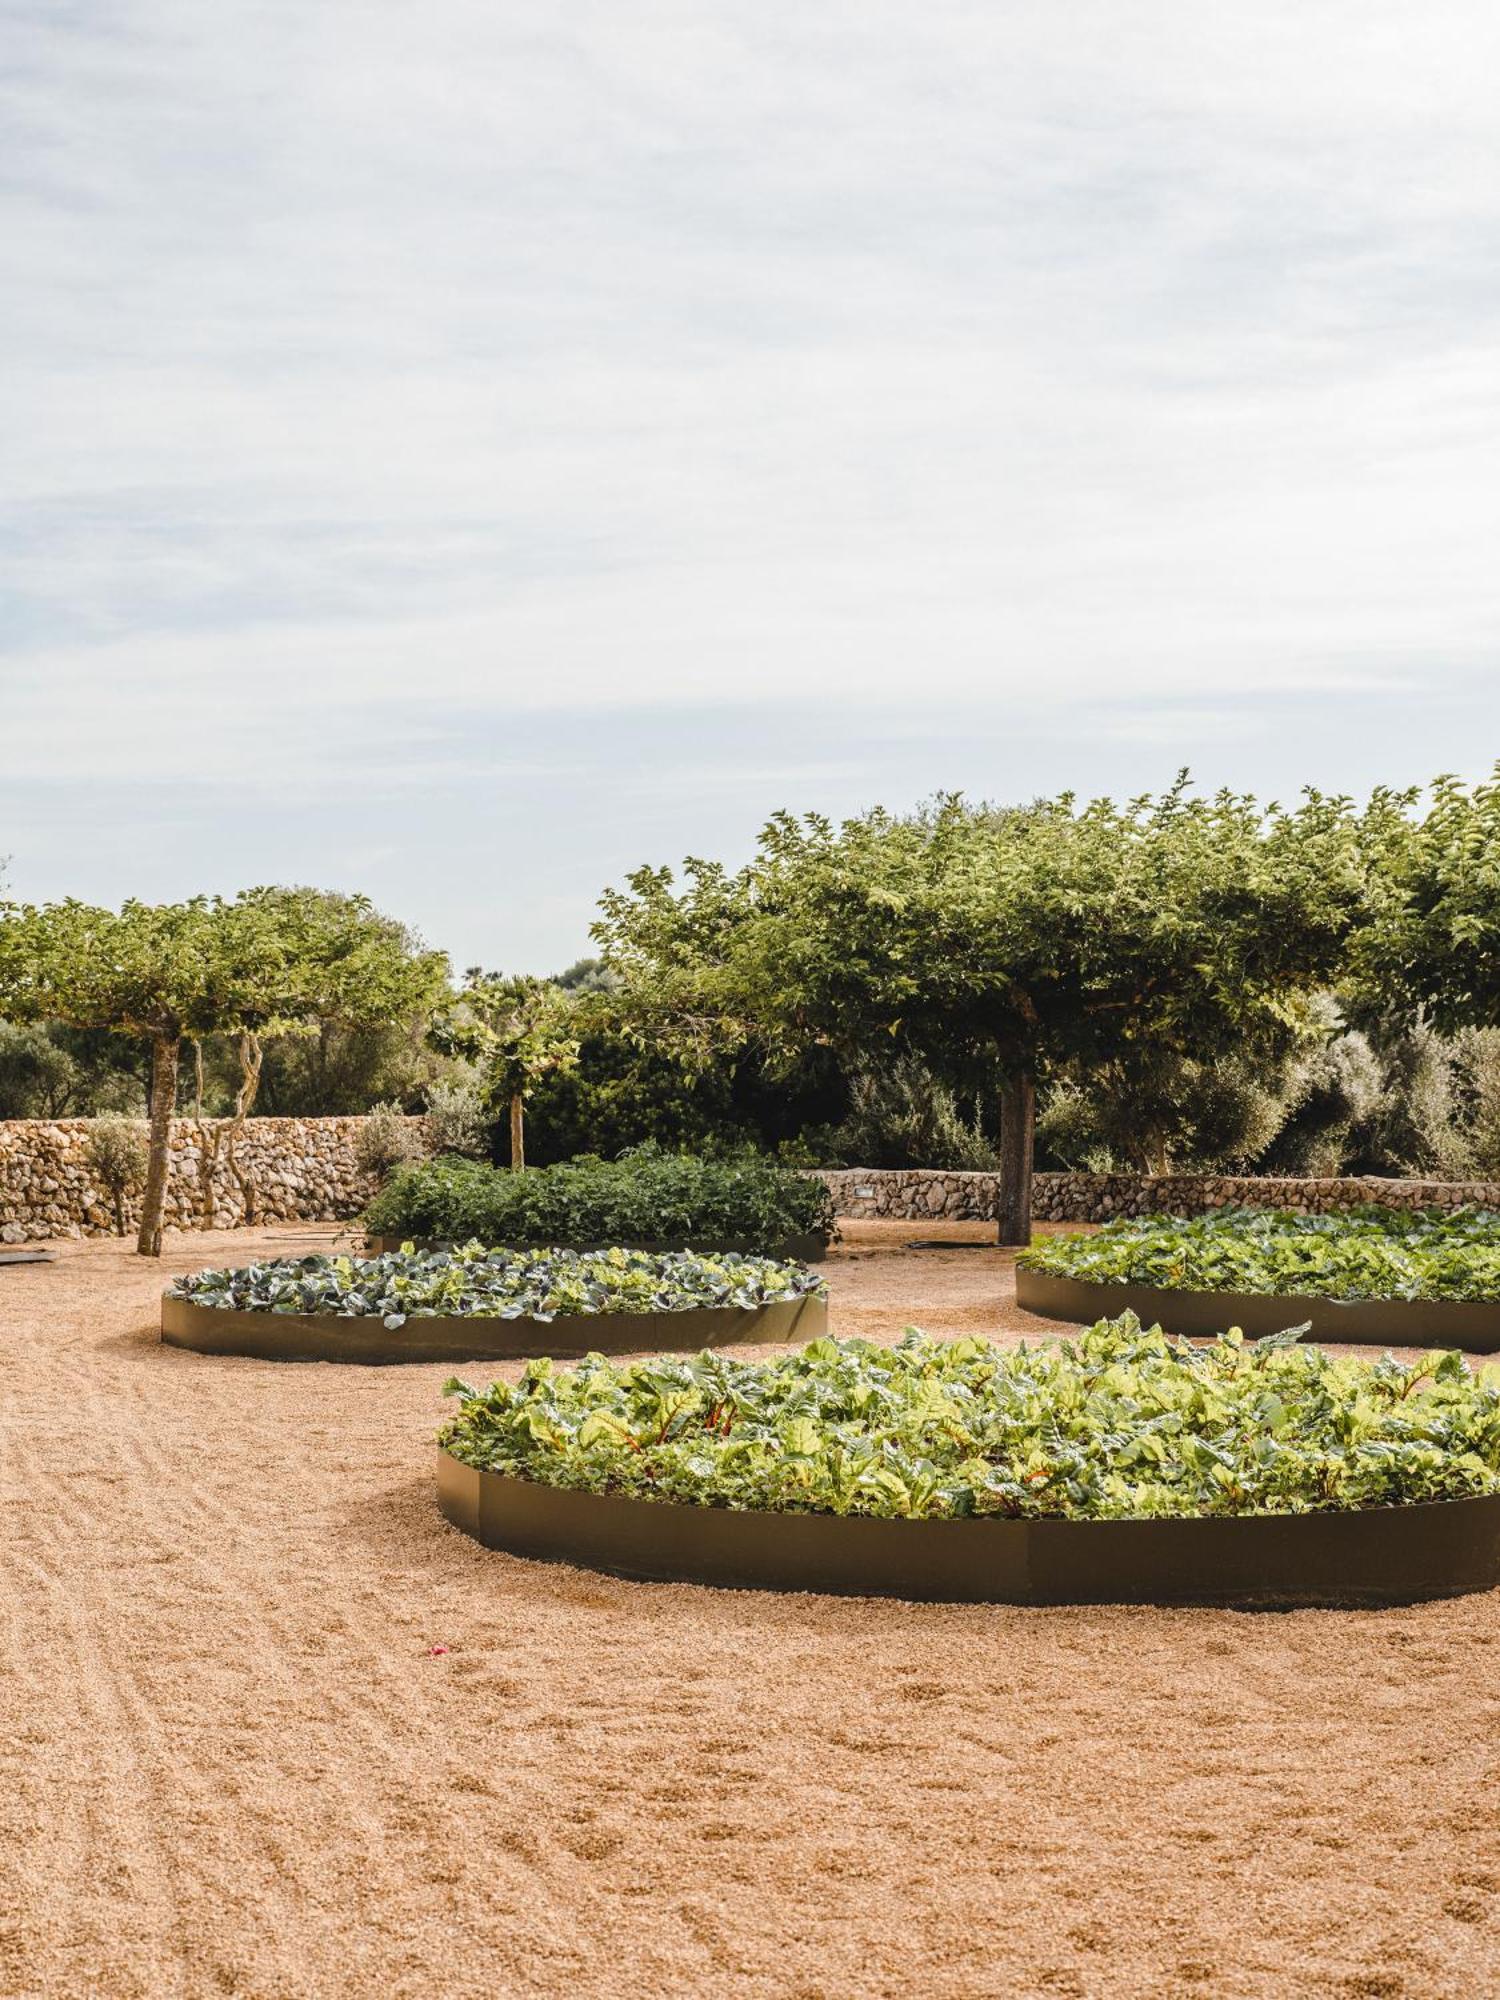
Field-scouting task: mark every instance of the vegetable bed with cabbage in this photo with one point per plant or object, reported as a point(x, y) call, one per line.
point(1121, 1423)
point(473, 1282)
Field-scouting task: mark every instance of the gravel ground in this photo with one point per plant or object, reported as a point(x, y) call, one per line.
point(271, 1728)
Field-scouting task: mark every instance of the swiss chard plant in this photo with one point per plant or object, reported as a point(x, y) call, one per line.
point(1365, 1253)
point(477, 1283)
point(1119, 1424)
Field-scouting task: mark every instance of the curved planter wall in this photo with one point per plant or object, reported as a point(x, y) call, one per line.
point(1377, 1556)
point(328, 1337)
point(1473, 1324)
point(796, 1249)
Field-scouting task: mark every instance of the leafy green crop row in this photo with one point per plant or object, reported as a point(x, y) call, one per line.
point(646, 1197)
point(1119, 1424)
point(497, 1284)
point(1365, 1253)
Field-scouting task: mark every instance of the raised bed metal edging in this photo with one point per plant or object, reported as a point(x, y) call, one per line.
point(1471, 1324)
point(269, 1336)
point(1359, 1559)
point(807, 1249)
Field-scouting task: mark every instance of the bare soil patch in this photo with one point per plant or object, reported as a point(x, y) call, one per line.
point(271, 1728)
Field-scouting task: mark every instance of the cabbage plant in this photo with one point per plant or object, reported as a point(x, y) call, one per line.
point(1119, 1424)
point(473, 1282)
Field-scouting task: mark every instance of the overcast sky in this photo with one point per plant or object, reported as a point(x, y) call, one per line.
point(462, 451)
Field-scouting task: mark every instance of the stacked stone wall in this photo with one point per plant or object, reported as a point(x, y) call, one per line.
point(302, 1169)
point(918, 1195)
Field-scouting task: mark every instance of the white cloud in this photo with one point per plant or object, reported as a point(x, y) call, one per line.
point(522, 360)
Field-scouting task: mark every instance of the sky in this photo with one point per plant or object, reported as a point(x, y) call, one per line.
point(464, 452)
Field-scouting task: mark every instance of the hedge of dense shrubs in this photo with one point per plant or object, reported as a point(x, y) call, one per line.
point(1120, 1424)
point(475, 1283)
point(1362, 1253)
point(646, 1197)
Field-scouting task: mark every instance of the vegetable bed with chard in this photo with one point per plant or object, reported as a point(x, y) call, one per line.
point(473, 1282)
point(1120, 1424)
point(1365, 1253)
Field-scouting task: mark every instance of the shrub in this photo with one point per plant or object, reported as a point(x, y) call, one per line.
point(1364, 1253)
point(1120, 1424)
point(116, 1153)
point(386, 1140)
point(456, 1120)
point(497, 1284)
point(646, 1197)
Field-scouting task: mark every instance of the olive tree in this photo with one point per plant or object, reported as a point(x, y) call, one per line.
point(516, 1031)
point(293, 961)
point(1001, 944)
point(167, 973)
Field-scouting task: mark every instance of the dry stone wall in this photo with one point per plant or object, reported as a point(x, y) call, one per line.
point(926, 1195)
point(302, 1169)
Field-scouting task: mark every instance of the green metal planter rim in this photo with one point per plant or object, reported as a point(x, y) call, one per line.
point(808, 1249)
point(1361, 1559)
point(1471, 1324)
point(329, 1337)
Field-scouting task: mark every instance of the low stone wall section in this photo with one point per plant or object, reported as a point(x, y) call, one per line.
point(302, 1169)
point(922, 1195)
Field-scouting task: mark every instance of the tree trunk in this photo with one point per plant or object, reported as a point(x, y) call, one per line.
point(251, 1057)
point(210, 1137)
point(517, 1132)
point(1017, 1136)
point(165, 1053)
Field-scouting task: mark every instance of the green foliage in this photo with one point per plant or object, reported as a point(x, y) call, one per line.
point(996, 942)
point(1364, 1253)
point(49, 1071)
point(386, 1139)
point(473, 1282)
point(272, 959)
point(901, 1115)
point(647, 1197)
point(456, 1120)
point(116, 1155)
point(1118, 1424)
point(516, 1031)
point(1432, 940)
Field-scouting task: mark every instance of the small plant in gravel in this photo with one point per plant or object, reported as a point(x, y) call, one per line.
point(498, 1284)
point(1120, 1424)
point(1366, 1253)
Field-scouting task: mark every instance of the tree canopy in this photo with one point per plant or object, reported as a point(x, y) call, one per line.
point(1432, 939)
point(269, 959)
point(1003, 942)
point(516, 1031)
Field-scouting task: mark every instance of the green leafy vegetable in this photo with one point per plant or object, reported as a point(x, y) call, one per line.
point(1365, 1253)
point(1119, 1424)
point(498, 1284)
point(648, 1196)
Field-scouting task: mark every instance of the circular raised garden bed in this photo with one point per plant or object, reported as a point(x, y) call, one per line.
point(1123, 1467)
point(268, 1336)
point(490, 1305)
point(1471, 1324)
point(1350, 1559)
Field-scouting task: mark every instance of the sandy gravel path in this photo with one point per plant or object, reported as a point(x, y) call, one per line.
point(233, 1762)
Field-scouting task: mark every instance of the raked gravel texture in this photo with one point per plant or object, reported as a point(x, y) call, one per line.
point(271, 1728)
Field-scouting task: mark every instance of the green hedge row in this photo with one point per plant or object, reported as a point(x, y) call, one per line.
point(647, 1197)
